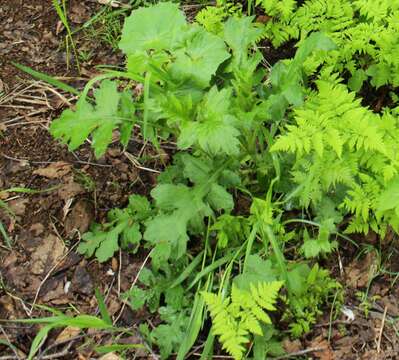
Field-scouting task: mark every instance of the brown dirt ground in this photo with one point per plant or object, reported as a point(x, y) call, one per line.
point(42, 266)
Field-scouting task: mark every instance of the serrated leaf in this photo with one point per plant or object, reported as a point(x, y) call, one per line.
point(240, 34)
point(311, 248)
point(127, 113)
point(199, 59)
point(108, 246)
point(215, 130)
point(380, 74)
point(257, 270)
point(220, 198)
point(138, 297)
point(355, 83)
point(91, 241)
point(154, 28)
point(196, 169)
point(139, 206)
point(169, 197)
point(73, 127)
point(131, 235)
point(170, 229)
point(315, 41)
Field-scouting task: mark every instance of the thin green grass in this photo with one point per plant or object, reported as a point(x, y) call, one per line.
point(60, 8)
point(47, 78)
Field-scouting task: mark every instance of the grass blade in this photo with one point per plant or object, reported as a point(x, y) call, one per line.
point(102, 307)
point(7, 239)
point(194, 327)
point(38, 340)
point(187, 271)
point(47, 78)
point(146, 99)
point(211, 267)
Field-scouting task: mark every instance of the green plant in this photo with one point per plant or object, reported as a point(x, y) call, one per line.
point(105, 27)
point(85, 180)
point(237, 317)
point(213, 17)
point(83, 322)
point(346, 153)
point(364, 33)
point(60, 8)
point(122, 230)
point(314, 289)
point(219, 214)
point(60, 320)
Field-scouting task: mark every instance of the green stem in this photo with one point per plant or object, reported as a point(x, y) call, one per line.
point(281, 262)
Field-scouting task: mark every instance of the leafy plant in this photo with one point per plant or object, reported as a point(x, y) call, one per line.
point(112, 109)
point(122, 231)
point(360, 148)
point(314, 288)
point(60, 8)
point(364, 33)
point(237, 317)
point(219, 212)
point(213, 17)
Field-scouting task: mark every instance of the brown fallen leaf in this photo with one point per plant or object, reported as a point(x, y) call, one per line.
point(55, 170)
point(263, 19)
point(326, 353)
point(375, 355)
point(53, 294)
point(70, 190)
point(59, 27)
point(343, 346)
point(82, 281)
point(110, 356)
point(78, 13)
point(18, 206)
point(68, 333)
point(80, 217)
point(47, 254)
point(358, 272)
point(37, 229)
point(291, 346)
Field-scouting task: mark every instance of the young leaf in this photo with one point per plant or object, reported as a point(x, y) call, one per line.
point(214, 131)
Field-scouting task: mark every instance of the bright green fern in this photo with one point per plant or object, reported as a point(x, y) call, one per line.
point(344, 151)
point(235, 319)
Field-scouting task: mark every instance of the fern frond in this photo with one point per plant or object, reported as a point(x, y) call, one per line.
point(265, 294)
point(337, 141)
point(237, 318)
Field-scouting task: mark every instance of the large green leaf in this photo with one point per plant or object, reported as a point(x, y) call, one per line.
point(170, 229)
point(73, 127)
point(154, 28)
point(240, 34)
point(315, 41)
point(199, 59)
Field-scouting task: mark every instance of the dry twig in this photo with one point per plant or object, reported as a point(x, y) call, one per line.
point(381, 330)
